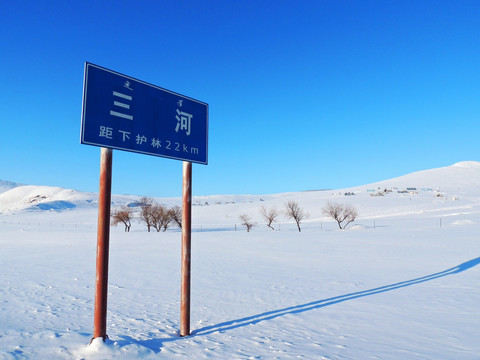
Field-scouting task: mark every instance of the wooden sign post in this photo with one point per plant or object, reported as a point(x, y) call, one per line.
point(186, 249)
point(103, 243)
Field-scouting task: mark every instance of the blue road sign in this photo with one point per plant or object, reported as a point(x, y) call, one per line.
point(120, 112)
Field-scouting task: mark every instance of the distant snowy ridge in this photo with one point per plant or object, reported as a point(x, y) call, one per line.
point(468, 164)
point(460, 179)
point(41, 198)
point(32, 197)
point(7, 185)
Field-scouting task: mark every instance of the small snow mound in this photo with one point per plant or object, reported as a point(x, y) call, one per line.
point(357, 227)
point(97, 344)
point(464, 222)
point(99, 347)
point(108, 349)
point(55, 205)
point(468, 164)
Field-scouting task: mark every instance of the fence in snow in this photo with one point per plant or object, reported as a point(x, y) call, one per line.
point(361, 224)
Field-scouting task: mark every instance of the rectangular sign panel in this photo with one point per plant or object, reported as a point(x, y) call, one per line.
point(120, 112)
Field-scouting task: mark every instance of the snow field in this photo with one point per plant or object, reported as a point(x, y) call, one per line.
point(400, 283)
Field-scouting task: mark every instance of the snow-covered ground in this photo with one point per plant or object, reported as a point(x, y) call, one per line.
point(400, 283)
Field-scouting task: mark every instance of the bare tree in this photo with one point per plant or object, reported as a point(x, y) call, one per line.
point(123, 215)
point(155, 215)
point(269, 215)
point(161, 217)
point(247, 221)
point(146, 215)
point(176, 213)
point(295, 212)
point(342, 214)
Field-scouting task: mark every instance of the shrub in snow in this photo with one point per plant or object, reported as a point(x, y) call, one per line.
point(158, 216)
point(269, 215)
point(295, 212)
point(247, 221)
point(123, 215)
point(342, 214)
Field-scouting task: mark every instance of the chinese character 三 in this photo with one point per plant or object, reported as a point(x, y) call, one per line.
point(184, 121)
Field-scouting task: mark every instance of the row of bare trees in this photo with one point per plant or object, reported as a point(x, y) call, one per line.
point(292, 211)
point(159, 217)
point(153, 214)
point(342, 214)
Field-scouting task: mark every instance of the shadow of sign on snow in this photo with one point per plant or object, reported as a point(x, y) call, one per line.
point(156, 344)
point(269, 315)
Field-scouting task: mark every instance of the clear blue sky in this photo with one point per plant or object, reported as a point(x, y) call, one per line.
point(302, 94)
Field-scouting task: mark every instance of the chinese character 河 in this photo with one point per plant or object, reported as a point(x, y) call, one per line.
point(184, 121)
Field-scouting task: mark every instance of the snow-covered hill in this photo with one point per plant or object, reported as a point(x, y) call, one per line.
point(38, 198)
point(462, 178)
point(41, 198)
